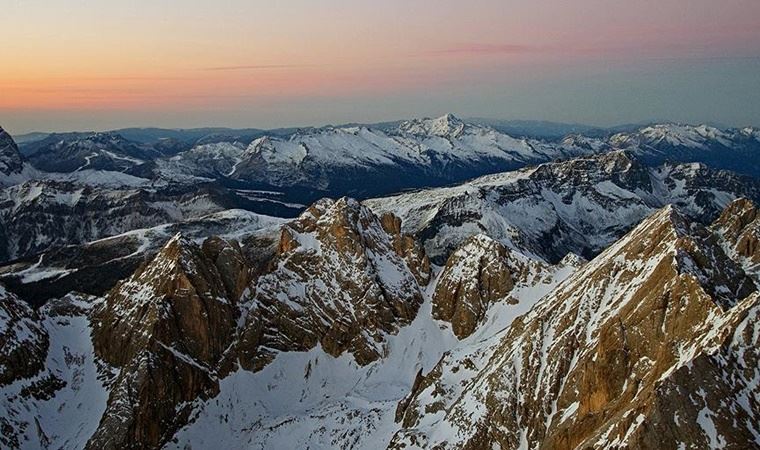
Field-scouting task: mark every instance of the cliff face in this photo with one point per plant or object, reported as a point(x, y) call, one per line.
point(342, 278)
point(23, 339)
point(637, 343)
point(10, 158)
point(325, 331)
point(166, 330)
point(476, 275)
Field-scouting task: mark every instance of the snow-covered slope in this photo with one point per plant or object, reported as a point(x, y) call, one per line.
point(311, 399)
point(416, 153)
point(38, 215)
point(577, 206)
point(58, 405)
point(324, 335)
point(208, 161)
point(95, 267)
point(731, 149)
point(643, 347)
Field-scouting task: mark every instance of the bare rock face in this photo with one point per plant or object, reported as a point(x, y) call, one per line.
point(476, 275)
point(342, 278)
point(739, 226)
point(408, 248)
point(49, 378)
point(166, 330)
point(579, 205)
point(23, 339)
point(650, 345)
point(10, 158)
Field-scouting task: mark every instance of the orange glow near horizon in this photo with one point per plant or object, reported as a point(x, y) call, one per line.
point(157, 56)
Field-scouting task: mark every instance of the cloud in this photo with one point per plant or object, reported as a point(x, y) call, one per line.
point(485, 49)
point(255, 67)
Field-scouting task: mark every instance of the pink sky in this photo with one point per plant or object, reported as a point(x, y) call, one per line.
point(110, 63)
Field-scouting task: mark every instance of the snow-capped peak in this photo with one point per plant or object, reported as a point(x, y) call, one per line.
point(446, 125)
point(677, 135)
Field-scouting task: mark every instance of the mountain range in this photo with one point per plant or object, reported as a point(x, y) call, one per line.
point(432, 283)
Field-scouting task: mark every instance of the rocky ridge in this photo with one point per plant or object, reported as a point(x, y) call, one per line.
point(646, 338)
point(195, 313)
point(166, 329)
point(652, 341)
point(577, 206)
point(10, 158)
point(337, 331)
point(342, 278)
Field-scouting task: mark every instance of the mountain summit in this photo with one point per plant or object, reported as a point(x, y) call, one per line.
point(10, 158)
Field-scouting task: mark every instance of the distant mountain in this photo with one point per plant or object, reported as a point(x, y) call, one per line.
point(370, 160)
point(280, 174)
point(10, 158)
point(538, 129)
point(362, 161)
point(731, 149)
point(577, 206)
point(98, 151)
point(30, 137)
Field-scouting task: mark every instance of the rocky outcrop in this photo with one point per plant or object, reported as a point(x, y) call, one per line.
point(36, 216)
point(650, 345)
point(166, 329)
point(739, 226)
point(408, 248)
point(576, 206)
point(23, 340)
point(476, 275)
point(10, 158)
point(339, 279)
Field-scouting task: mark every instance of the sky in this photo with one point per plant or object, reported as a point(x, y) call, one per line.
point(96, 65)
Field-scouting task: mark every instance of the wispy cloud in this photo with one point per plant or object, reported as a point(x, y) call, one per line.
point(256, 67)
point(485, 49)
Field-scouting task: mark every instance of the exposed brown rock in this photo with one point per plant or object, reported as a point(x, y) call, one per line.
point(476, 275)
point(340, 279)
point(739, 225)
point(231, 264)
point(408, 248)
point(23, 339)
point(644, 342)
point(167, 329)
